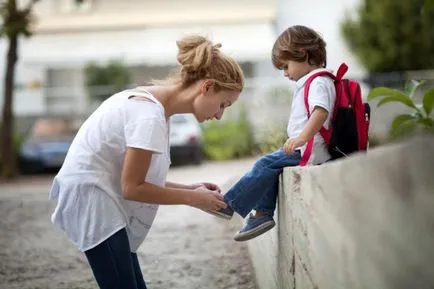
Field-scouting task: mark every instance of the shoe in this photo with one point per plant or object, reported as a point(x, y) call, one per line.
point(225, 213)
point(254, 227)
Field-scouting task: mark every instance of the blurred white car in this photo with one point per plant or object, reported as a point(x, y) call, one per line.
point(185, 139)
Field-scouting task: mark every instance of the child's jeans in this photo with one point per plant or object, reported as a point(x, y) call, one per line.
point(258, 188)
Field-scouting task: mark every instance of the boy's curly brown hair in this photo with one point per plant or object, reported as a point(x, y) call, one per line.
point(299, 43)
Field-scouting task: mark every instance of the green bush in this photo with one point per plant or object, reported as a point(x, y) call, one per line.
point(228, 139)
point(273, 139)
point(103, 81)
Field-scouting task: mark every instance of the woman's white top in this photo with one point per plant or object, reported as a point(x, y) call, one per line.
point(90, 207)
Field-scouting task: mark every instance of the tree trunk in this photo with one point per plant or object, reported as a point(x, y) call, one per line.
point(8, 154)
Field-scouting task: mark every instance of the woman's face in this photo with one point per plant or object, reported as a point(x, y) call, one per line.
point(211, 104)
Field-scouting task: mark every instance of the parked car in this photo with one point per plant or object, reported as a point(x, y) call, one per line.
point(185, 139)
point(47, 144)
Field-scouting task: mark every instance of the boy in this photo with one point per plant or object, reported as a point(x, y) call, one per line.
point(300, 52)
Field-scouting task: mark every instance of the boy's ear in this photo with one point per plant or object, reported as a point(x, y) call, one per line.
point(305, 54)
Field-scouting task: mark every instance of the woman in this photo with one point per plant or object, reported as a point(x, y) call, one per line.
point(114, 176)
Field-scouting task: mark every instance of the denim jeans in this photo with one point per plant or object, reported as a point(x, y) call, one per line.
point(258, 188)
point(113, 264)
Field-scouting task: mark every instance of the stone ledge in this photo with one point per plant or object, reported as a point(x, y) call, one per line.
point(363, 222)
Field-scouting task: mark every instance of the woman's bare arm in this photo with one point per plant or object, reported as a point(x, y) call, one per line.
point(136, 165)
point(179, 186)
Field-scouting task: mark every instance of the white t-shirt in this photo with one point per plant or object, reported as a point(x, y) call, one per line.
point(87, 188)
point(322, 93)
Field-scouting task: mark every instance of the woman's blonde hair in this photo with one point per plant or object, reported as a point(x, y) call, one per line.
point(200, 59)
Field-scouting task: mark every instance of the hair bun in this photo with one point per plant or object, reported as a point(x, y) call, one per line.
point(195, 53)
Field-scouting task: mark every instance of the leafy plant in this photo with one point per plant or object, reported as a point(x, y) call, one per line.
point(420, 120)
point(228, 139)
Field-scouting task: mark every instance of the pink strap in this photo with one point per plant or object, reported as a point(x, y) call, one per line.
point(306, 155)
point(343, 68)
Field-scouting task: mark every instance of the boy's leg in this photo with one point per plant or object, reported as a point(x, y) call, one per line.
point(112, 263)
point(259, 183)
point(263, 220)
point(267, 204)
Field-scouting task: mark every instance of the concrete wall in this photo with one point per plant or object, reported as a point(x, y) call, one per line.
point(365, 222)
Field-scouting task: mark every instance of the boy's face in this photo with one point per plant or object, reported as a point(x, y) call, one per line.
point(295, 70)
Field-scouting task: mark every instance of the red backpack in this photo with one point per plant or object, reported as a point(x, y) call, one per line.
point(348, 132)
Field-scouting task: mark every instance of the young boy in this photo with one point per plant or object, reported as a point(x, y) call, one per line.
point(300, 52)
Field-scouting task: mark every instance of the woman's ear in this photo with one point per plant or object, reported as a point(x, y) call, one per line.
point(206, 86)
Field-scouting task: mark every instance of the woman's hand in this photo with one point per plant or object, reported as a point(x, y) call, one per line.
point(206, 199)
point(209, 186)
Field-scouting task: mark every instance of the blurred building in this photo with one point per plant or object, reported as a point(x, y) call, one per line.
point(141, 33)
point(325, 17)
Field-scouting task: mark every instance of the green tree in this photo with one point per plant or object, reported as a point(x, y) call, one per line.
point(103, 81)
point(391, 35)
point(15, 22)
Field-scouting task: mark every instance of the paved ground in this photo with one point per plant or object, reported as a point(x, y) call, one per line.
point(186, 247)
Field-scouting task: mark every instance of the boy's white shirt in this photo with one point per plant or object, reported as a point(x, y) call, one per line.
point(90, 207)
point(322, 93)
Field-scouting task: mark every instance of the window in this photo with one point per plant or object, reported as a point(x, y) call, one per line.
point(71, 6)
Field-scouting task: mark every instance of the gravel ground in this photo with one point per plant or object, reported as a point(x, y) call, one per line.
point(186, 247)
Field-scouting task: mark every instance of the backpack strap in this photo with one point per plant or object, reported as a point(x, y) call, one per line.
point(325, 133)
point(343, 68)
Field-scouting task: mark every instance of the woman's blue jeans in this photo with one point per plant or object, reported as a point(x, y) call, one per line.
point(113, 264)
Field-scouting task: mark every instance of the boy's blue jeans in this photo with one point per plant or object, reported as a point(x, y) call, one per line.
point(258, 188)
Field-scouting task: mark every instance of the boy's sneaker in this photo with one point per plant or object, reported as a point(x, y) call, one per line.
point(225, 213)
point(254, 227)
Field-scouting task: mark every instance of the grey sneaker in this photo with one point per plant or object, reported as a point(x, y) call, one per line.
point(226, 213)
point(254, 227)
